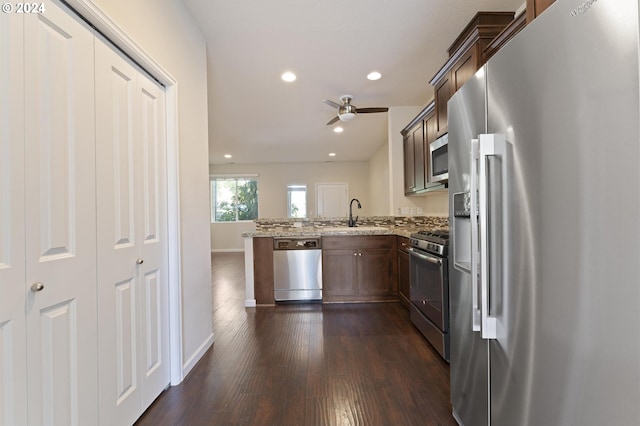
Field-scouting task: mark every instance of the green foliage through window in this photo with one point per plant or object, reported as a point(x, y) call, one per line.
point(234, 199)
point(297, 201)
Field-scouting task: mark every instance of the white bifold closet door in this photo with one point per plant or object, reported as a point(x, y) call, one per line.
point(60, 217)
point(132, 237)
point(13, 363)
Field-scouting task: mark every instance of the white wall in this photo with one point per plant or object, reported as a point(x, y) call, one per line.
point(434, 203)
point(379, 182)
point(167, 32)
point(272, 192)
point(226, 237)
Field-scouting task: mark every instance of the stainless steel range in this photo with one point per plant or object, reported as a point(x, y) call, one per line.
point(429, 291)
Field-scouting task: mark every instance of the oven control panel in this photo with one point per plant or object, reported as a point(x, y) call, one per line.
point(427, 246)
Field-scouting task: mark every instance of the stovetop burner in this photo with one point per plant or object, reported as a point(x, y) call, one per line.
point(438, 235)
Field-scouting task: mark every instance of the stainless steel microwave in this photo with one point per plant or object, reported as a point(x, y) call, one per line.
point(439, 160)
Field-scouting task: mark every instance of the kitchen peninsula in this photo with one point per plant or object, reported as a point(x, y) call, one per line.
point(360, 263)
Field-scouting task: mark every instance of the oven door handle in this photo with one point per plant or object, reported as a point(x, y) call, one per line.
point(429, 259)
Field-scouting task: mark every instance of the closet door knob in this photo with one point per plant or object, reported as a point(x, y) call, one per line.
point(140, 261)
point(37, 286)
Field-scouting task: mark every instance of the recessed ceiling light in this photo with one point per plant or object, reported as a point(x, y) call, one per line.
point(338, 129)
point(288, 76)
point(374, 75)
point(227, 156)
point(332, 154)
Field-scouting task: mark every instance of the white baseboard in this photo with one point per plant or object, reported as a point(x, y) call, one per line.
point(250, 303)
point(240, 250)
point(193, 359)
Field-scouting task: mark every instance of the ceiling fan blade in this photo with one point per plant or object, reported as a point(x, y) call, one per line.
point(331, 103)
point(333, 120)
point(370, 110)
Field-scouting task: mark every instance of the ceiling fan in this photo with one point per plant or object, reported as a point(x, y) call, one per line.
point(348, 111)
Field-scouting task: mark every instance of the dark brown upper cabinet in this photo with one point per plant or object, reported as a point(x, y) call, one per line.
point(416, 150)
point(536, 7)
point(466, 56)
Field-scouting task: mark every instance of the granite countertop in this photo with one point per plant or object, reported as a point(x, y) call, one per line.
point(304, 232)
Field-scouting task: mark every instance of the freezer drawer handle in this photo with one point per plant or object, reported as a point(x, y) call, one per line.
point(493, 145)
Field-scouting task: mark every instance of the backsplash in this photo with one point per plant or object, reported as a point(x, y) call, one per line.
point(431, 222)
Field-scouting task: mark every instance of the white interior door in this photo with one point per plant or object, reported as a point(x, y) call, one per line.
point(61, 218)
point(118, 245)
point(153, 271)
point(132, 248)
point(332, 199)
point(13, 369)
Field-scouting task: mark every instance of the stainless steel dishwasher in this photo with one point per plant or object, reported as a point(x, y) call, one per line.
point(297, 269)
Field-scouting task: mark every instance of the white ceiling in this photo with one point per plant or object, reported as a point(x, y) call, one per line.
point(331, 45)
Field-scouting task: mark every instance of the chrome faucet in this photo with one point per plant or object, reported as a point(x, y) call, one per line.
point(352, 221)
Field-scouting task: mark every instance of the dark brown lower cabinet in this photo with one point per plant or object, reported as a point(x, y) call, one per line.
point(339, 274)
point(359, 268)
point(403, 270)
point(263, 270)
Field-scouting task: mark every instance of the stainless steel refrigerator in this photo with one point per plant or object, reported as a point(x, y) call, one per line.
point(544, 184)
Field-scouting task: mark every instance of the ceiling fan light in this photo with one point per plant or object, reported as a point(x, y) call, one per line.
point(347, 112)
point(347, 116)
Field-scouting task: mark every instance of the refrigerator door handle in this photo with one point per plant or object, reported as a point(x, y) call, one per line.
point(475, 311)
point(492, 145)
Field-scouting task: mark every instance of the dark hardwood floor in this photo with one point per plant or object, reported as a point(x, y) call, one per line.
point(307, 364)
